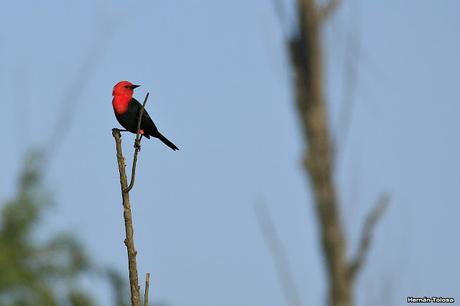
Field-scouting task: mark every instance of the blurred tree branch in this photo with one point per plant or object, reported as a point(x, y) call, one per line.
point(366, 235)
point(307, 61)
point(305, 51)
point(71, 95)
point(276, 247)
point(350, 79)
point(279, 9)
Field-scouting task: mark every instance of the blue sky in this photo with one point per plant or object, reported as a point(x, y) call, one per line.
point(220, 89)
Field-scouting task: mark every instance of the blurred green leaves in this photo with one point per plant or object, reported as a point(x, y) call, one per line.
point(44, 271)
point(31, 272)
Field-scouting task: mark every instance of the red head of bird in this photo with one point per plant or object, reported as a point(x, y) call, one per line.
point(122, 94)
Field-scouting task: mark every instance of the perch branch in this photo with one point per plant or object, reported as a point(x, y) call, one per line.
point(129, 240)
point(146, 292)
point(276, 247)
point(137, 145)
point(366, 236)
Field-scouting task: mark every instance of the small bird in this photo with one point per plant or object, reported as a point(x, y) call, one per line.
point(127, 110)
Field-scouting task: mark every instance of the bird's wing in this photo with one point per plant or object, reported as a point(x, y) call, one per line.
point(147, 123)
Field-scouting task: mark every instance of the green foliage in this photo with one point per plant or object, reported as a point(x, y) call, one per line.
point(44, 272)
point(33, 273)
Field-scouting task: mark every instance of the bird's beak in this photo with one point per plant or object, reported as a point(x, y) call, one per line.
point(134, 86)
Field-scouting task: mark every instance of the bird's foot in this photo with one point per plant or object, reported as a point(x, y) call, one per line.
point(116, 130)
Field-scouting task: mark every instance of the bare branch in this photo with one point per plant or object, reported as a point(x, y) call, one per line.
point(366, 235)
point(146, 292)
point(129, 231)
point(276, 247)
point(328, 9)
point(137, 145)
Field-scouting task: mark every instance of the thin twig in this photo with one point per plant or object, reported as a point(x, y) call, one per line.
point(366, 236)
point(280, 11)
point(137, 145)
point(350, 79)
point(276, 247)
point(129, 231)
point(146, 292)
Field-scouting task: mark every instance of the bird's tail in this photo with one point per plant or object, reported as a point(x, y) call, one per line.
point(167, 142)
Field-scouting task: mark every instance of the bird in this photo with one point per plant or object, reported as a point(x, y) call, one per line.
point(127, 110)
